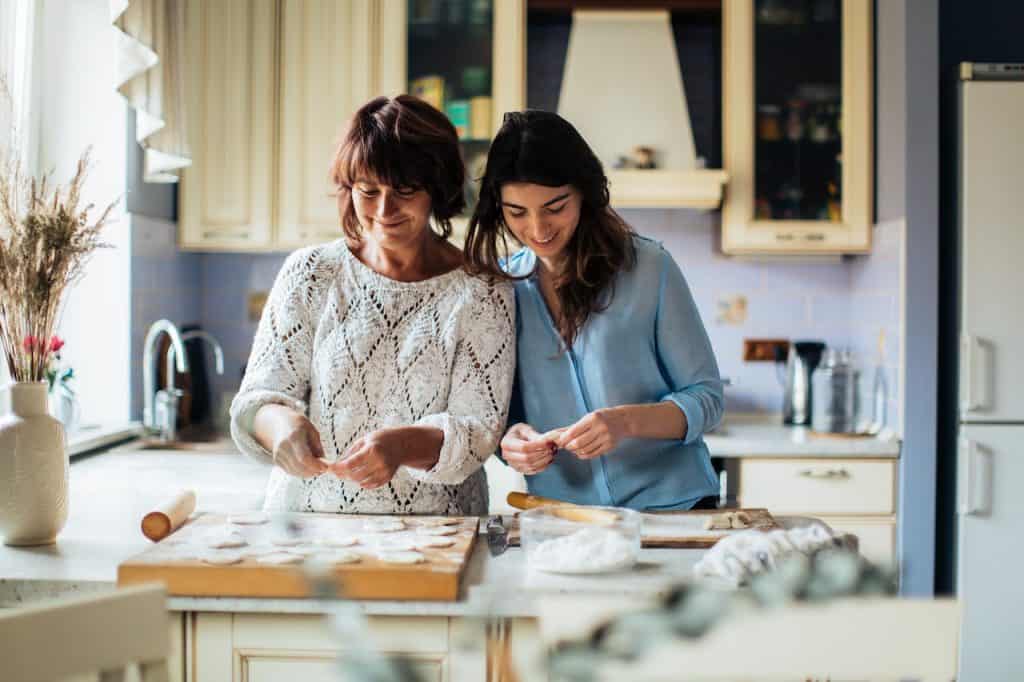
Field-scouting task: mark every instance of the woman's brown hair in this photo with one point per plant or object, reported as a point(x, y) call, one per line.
point(401, 142)
point(543, 148)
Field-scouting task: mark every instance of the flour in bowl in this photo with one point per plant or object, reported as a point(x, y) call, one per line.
point(591, 550)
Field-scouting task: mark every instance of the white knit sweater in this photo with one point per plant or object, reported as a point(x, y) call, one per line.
point(356, 351)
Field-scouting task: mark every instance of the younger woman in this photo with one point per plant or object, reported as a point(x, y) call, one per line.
point(615, 381)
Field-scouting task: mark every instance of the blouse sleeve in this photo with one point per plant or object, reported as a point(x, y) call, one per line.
point(279, 364)
point(685, 353)
point(481, 383)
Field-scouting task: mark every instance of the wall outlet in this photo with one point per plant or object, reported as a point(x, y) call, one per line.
point(764, 350)
point(732, 309)
point(254, 304)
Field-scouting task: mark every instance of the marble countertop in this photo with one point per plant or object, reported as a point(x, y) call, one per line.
point(745, 436)
point(110, 492)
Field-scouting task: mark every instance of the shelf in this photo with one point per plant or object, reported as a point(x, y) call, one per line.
point(667, 188)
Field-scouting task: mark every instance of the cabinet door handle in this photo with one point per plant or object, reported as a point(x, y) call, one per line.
point(784, 236)
point(968, 402)
point(975, 478)
point(824, 473)
point(213, 234)
point(815, 237)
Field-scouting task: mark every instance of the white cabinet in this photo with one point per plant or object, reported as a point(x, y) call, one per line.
point(227, 194)
point(326, 74)
point(797, 127)
point(258, 647)
point(270, 87)
point(856, 496)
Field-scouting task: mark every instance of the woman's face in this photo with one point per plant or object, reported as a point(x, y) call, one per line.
point(542, 218)
point(391, 216)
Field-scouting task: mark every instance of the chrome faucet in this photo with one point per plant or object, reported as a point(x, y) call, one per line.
point(149, 417)
point(218, 353)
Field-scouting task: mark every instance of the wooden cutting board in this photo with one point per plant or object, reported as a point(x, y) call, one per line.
point(678, 529)
point(178, 562)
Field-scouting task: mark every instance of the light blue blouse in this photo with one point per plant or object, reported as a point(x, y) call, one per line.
point(649, 345)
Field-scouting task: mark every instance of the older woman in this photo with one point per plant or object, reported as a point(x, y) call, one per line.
point(381, 371)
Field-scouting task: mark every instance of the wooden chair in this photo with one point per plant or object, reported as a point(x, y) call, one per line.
point(864, 639)
point(104, 634)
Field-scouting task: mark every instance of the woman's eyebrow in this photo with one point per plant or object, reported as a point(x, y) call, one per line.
point(545, 204)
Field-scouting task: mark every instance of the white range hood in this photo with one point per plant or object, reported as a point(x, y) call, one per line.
point(621, 89)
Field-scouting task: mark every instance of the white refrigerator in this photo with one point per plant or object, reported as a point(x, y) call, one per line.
point(990, 467)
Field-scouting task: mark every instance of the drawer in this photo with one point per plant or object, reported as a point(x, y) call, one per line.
point(876, 537)
point(818, 486)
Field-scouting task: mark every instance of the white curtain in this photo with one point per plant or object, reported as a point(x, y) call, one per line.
point(17, 19)
point(151, 76)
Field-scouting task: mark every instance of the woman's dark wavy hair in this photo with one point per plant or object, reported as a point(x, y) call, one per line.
point(543, 148)
point(402, 142)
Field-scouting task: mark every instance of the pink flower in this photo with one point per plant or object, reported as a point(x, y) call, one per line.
point(56, 343)
point(30, 343)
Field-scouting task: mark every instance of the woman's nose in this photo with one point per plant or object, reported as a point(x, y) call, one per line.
point(386, 205)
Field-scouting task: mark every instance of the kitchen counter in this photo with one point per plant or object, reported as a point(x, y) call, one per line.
point(767, 437)
point(111, 491)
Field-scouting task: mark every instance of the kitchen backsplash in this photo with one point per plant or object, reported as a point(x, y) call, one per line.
point(844, 303)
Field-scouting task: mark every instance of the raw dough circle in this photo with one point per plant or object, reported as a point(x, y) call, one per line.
point(383, 525)
point(223, 537)
point(426, 543)
point(281, 558)
point(221, 558)
point(248, 518)
point(386, 544)
point(437, 530)
point(408, 557)
point(338, 541)
point(305, 550)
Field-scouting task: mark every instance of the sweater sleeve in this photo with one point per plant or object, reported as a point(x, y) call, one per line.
point(278, 370)
point(481, 384)
point(685, 354)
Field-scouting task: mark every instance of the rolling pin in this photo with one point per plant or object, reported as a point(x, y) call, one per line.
point(168, 517)
point(569, 511)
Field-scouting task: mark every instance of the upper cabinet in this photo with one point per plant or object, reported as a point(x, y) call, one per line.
point(797, 126)
point(271, 85)
point(466, 57)
point(227, 194)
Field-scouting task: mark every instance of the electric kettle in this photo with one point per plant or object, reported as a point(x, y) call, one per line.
point(801, 360)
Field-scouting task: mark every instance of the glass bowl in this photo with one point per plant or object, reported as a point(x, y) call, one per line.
point(572, 539)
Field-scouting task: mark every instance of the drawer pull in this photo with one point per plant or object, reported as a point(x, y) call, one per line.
point(826, 474)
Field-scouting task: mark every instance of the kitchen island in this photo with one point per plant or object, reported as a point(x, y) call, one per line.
point(224, 638)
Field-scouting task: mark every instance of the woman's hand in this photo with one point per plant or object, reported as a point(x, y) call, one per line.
point(292, 439)
point(527, 451)
point(371, 461)
point(596, 434)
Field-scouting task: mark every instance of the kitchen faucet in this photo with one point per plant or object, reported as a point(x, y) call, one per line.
point(164, 425)
point(167, 399)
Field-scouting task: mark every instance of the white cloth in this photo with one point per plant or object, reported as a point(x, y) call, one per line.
point(356, 351)
point(151, 76)
point(738, 556)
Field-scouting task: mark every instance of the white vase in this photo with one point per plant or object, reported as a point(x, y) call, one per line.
point(33, 469)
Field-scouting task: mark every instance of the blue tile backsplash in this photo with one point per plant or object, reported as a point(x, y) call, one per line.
point(845, 303)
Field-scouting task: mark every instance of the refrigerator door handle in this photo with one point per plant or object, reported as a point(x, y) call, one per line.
point(969, 344)
point(975, 481)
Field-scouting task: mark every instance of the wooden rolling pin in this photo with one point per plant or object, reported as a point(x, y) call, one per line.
point(168, 517)
point(569, 511)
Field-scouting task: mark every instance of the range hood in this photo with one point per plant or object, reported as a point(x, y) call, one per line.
point(622, 89)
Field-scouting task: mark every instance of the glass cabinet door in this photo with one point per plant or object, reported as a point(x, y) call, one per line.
point(798, 134)
point(799, 108)
point(465, 57)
